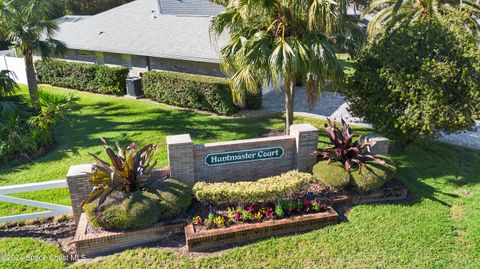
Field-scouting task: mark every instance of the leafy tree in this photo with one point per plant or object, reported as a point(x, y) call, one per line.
point(390, 13)
point(27, 27)
point(285, 42)
point(419, 80)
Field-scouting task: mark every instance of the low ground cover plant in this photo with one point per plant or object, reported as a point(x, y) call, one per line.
point(82, 76)
point(265, 189)
point(282, 208)
point(124, 197)
point(347, 162)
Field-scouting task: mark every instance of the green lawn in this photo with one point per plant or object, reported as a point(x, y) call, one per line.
point(440, 228)
point(125, 120)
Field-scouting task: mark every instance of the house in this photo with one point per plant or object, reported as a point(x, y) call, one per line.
point(144, 35)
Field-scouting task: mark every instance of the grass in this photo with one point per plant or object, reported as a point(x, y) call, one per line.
point(439, 228)
point(29, 253)
point(125, 120)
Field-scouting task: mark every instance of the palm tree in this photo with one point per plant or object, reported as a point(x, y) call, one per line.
point(391, 13)
point(28, 28)
point(8, 86)
point(284, 42)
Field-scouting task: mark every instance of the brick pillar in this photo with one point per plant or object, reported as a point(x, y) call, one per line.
point(180, 158)
point(78, 187)
point(306, 137)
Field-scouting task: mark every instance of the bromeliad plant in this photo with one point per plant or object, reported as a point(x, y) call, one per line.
point(344, 150)
point(124, 172)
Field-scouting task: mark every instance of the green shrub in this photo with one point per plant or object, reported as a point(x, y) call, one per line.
point(418, 80)
point(331, 174)
point(373, 176)
point(266, 189)
point(174, 197)
point(191, 91)
point(83, 76)
point(110, 80)
point(122, 211)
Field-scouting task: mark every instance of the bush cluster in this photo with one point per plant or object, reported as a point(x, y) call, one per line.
point(122, 211)
point(265, 189)
point(82, 76)
point(419, 80)
point(24, 136)
point(174, 197)
point(194, 91)
point(163, 200)
point(331, 174)
point(372, 177)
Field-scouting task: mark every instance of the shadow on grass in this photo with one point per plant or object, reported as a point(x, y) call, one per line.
point(142, 122)
point(441, 165)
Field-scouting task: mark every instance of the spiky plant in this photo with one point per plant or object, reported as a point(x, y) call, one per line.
point(344, 150)
point(127, 165)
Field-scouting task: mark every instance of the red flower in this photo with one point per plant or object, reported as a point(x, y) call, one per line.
point(238, 215)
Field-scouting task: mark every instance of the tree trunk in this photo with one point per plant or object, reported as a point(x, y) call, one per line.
point(32, 83)
point(289, 87)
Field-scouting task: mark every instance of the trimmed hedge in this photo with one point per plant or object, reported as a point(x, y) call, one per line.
point(331, 174)
point(374, 176)
point(120, 211)
point(194, 91)
point(174, 197)
point(82, 76)
point(265, 189)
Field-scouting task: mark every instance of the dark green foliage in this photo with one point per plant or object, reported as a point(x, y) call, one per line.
point(174, 197)
point(191, 91)
point(419, 80)
point(253, 100)
point(82, 76)
point(373, 176)
point(23, 136)
point(331, 174)
point(135, 210)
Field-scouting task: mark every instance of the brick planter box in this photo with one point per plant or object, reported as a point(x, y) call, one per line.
point(243, 233)
point(91, 243)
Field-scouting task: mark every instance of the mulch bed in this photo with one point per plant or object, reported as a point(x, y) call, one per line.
point(58, 232)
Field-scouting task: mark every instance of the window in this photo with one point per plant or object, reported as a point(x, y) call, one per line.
point(84, 55)
point(99, 58)
point(127, 60)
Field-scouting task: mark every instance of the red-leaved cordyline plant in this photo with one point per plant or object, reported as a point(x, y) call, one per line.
point(344, 150)
point(123, 172)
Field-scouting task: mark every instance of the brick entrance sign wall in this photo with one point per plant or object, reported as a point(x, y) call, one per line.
point(242, 160)
point(227, 161)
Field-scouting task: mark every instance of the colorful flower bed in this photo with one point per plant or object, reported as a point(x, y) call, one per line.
point(283, 208)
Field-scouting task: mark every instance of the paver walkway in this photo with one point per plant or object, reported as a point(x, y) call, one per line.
point(329, 104)
point(326, 105)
